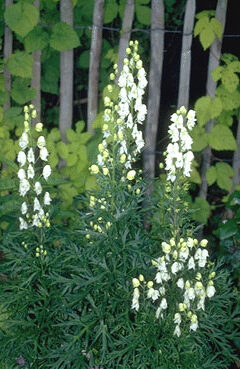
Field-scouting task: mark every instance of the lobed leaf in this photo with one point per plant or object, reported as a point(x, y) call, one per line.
point(64, 37)
point(221, 138)
point(21, 17)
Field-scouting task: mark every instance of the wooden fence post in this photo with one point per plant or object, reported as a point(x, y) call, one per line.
point(214, 58)
point(126, 32)
point(36, 78)
point(7, 51)
point(95, 54)
point(66, 74)
point(154, 89)
point(185, 67)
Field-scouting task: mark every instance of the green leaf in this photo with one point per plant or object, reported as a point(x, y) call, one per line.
point(221, 138)
point(230, 80)
point(227, 230)
point(234, 66)
point(202, 108)
point(215, 107)
point(143, 14)
point(62, 149)
point(217, 73)
point(37, 39)
point(199, 138)
point(230, 100)
point(79, 126)
point(206, 37)
point(21, 92)
point(20, 64)
point(111, 12)
point(216, 27)
point(8, 184)
point(8, 163)
point(204, 13)
point(211, 175)
point(83, 60)
point(71, 135)
point(49, 82)
point(13, 118)
point(63, 37)
point(84, 137)
point(202, 210)
point(226, 118)
point(224, 176)
point(21, 17)
point(200, 25)
point(195, 177)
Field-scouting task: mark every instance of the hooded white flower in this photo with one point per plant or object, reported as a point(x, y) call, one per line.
point(163, 304)
point(177, 318)
point(23, 141)
point(43, 153)
point(37, 206)
point(30, 171)
point(180, 283)
point(21, 174)
point(210, 292)
point(24, 187)
point(21, 158)
point(36, 220)
point(31, 156)
point(41, 142)
point(135, 300)
point(23, 224)
point(47, 199)
point(38, 188)
point(24, 208)
point(46, 171)
point(153, 294)
point(191, 263)
point(177, 331)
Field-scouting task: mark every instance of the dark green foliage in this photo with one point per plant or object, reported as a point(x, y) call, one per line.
point(228, 235)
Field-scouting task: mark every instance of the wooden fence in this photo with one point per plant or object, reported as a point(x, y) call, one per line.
point(157, 36)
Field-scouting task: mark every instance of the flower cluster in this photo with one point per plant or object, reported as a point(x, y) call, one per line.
point(180, 277)
point(122, 141)
point(178, 154)
point(32, 152)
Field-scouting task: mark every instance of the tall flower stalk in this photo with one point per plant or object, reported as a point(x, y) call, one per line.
point(122, 139)
point(183, 281)
point(33, 172)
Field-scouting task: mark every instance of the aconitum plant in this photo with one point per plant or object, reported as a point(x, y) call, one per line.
point(182, 292)
point(32, 159)
point(182, 269)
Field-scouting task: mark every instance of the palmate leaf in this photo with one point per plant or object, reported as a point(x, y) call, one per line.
point(202, 210)
point(20, 64)
point(230, 80)
point(21, 92)
point(21, 17)
point(111, 11)
point(221, 138)
point(63, 37)
point(37, 39)
point(224, 176)
point(143, 14)
point(211, 175)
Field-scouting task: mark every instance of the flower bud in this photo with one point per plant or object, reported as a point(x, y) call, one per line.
point(150, 284)
point(135, 282)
